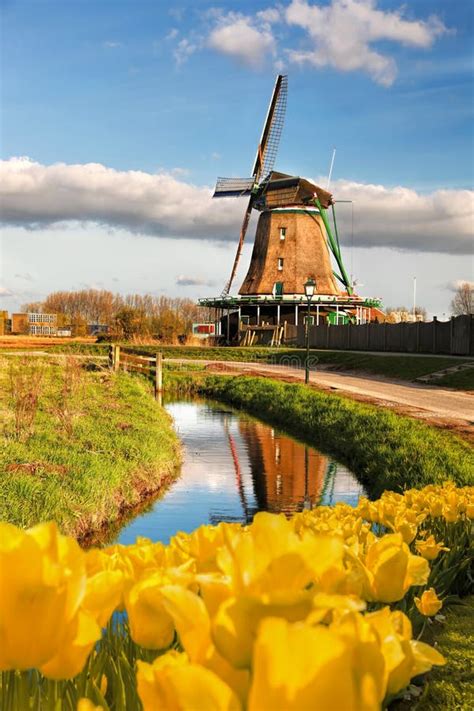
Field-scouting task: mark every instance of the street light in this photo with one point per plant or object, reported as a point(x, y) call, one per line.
point(309, 289)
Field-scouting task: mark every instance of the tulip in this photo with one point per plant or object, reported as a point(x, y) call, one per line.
point(404, 658)
point(429, 603)
point(393, 569)
point(42, 584)
point(172, 682)
point(429, 549)
point(298, 667)
point(87, 705)
point(150, 625)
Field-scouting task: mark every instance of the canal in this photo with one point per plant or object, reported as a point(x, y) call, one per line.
point(234, 466)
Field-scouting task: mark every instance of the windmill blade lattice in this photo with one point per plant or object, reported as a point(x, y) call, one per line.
point(272, 130)
point(263, 166)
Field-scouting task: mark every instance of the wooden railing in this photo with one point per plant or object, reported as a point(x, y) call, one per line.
point(150, 366)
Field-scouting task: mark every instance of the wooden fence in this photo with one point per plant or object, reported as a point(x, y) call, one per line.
point(151, 366)
point(454, 337)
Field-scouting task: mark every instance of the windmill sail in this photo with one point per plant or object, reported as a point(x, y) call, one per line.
point(263, 166)
point(272, 130)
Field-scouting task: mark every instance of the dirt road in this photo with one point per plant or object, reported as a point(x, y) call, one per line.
point(448, 409)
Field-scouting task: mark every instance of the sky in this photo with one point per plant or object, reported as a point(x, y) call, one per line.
point(118, 115)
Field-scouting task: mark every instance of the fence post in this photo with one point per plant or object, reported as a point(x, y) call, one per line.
point(435, 325)
point(159, 375)
point(417, 333)
point(116, 359)
point(111, 357)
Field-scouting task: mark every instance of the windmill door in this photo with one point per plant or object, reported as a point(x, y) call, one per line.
point(278, 288)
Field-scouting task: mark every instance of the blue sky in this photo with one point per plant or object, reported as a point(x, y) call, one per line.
point(181, 91)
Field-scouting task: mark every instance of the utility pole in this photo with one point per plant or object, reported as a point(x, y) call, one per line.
point(414, 298)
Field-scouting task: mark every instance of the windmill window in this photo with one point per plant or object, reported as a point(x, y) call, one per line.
point(280, 264)
point(282, 233)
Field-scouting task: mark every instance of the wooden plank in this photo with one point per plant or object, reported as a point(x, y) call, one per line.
point(159, 374)
point(137, 359)
point(116, 358)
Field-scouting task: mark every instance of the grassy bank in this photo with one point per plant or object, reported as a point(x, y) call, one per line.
point(385, 450)
point(451, 686)
point(78, 446)
point(402, 367)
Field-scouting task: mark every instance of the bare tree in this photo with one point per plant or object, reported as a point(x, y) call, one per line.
point(463, 301)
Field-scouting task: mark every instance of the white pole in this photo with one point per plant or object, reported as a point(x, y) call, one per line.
point(331, 167)
point(414, 298)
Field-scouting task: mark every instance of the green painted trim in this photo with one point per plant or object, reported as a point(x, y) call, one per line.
point(334, 248)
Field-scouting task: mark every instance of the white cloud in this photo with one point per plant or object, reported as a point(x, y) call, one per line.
point(249, 40)
point(35, 196)
point(457, 283)
point(183, 50)
point(341, 35)
point(4, 292)
point(110, 44)
point(183, 280)
point(26, 276)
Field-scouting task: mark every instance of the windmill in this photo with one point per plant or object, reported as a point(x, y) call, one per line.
point(296, 239)
point(265, 184)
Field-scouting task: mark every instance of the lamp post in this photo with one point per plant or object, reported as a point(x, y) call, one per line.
point(309, 288)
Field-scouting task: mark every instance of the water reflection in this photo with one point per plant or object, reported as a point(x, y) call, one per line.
point(235, 466)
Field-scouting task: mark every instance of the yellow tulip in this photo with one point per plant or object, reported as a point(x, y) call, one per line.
point(172, 683)
point(87, 705)
point(103, 595)
point(408, 529)
point(193, 626)
point(393, 569)
point(425, 657)
point(404, 657)
point(298, 667)
point(429, 549)
point(150, 625)
point(429, 604)
point(42, 584)
point(80, 638)
point(367, 660)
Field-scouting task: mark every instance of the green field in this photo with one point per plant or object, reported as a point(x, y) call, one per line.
point(94, 445)
point(398, 366)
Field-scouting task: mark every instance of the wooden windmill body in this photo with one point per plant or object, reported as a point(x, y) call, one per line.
point(290, 242)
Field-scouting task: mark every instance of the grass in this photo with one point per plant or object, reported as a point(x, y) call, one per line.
point(92, 452)
point(385, 450)
point(452, 686)
point(399, 366)
point(462, 380)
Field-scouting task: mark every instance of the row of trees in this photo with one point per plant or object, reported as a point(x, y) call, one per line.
point(126, 316)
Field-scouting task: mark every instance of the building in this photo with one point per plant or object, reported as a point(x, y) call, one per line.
point(34, 324)
point(5, 323)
